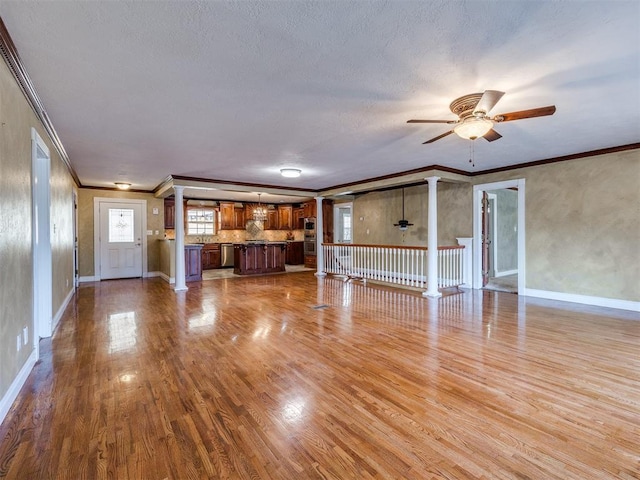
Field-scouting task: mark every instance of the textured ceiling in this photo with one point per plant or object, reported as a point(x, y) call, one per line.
point(236, 90)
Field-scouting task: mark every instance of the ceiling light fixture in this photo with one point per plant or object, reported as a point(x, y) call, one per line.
point(473, 127)
point(290, 172)
point(123, 185)
point(259, 213)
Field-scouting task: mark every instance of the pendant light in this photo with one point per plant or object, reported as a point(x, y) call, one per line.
point(259, 213)
point(403, 224)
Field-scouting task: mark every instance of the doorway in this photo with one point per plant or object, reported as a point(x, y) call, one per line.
point(41, 240)
point(342, 222)
point(499, 236)
point(119, 243)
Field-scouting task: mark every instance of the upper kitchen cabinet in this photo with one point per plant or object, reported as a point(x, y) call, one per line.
point(227, 216)
point(272, 219)
point(298, 218)
point(285, 215)
point(309, 209)
point(231, 216)
point(169, 213)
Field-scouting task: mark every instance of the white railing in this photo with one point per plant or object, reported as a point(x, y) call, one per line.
point(405, 266)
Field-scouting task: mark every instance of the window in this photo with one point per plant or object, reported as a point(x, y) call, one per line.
point(200, 221)
point(120, 225)
point(342, 219)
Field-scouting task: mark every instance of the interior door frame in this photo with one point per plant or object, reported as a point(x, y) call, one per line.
point(42, 325)
point(477, 229)
point(97, 201)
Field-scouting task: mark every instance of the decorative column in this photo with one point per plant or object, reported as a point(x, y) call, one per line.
point(319, 238)
point(180, 284)
point(432, 240)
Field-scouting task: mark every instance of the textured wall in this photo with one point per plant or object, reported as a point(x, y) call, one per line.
point(377, 212)
point(16, 277)
point(583, 225)
point(85, 228)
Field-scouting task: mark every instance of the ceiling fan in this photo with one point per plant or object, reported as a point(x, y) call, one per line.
point(403, 224)
point(474, 121)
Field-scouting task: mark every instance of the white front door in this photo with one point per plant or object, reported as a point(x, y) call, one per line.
point(120, 240)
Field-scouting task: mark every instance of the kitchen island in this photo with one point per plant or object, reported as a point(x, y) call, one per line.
point(254, 258)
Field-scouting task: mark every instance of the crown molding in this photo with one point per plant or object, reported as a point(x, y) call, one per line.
point(10, 54)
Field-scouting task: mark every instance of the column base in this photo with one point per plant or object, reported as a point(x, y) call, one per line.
point(431, 294)
point(180, 289)
point(320, 274)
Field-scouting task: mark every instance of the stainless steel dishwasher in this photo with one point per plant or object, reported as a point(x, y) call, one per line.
point(226, 254)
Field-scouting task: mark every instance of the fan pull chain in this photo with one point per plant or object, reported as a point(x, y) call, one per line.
point(472, 154)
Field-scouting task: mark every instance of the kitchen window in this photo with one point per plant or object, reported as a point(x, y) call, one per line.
point(200, 221)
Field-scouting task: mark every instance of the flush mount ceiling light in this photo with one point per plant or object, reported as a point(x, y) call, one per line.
point(123, 185)
point(290, 172)
point(473, 127)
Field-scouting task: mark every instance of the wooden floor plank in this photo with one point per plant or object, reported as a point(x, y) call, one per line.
point(244, 378)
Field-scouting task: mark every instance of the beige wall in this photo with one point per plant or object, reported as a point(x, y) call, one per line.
point(375, 213)
point(85, 227)
point(582, 220)
point(582, 225)
point(16, 277)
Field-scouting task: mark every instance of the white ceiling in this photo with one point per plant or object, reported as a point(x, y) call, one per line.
point(236, 90)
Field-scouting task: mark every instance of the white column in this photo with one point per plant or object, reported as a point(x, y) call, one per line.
point(180, 284)
point(319, 238)
point(432, 240)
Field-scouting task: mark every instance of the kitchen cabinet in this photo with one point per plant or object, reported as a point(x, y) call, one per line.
point(295, 253)
point(169, 213)
point(256, 258)
point(298, 218)
point(211, 256)
point(285, 214)
point(309, 209)
point(272, 219)
point(193, 263)
point(227, 216)
point(238, 218)
point(310, 261)
point(327, 221)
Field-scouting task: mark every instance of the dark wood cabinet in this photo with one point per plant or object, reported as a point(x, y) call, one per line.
point(238, 218)
point(211, 257)
point(252, 259)
point(309, 209)
point(193, 263)
point(295, 253)
point(169, 213)
point(227, 216)
point(327, 221)
point(310, 261)
point(285, 216)
point(298, 218)
point(272, 219)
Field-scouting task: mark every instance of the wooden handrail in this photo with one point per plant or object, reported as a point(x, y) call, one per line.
point(394, 247)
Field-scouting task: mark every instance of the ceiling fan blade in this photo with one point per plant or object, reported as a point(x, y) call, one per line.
point(488, 101)
point(438, 137)
point(431, 121)
point(534, 112)
point(492, 135)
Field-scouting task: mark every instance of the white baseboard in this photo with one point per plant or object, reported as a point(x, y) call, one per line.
point(14, 389)
point(88, 279)
point(152, 274)
point(61, 310)
point(167, 278)
point(506, 272)
point(584, 299)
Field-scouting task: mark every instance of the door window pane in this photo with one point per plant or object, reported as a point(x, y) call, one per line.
point(120, 225)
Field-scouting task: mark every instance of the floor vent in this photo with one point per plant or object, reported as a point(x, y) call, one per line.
point(320, 307)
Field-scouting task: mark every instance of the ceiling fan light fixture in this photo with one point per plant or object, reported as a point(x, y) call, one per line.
point(290, 172)
point(473, 127)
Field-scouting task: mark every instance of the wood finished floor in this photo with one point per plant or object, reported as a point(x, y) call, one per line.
point(290, 377)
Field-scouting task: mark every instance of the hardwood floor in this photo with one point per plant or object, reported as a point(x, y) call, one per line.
point(290, 377)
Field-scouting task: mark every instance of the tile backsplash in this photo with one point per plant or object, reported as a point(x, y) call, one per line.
point(236, 236)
